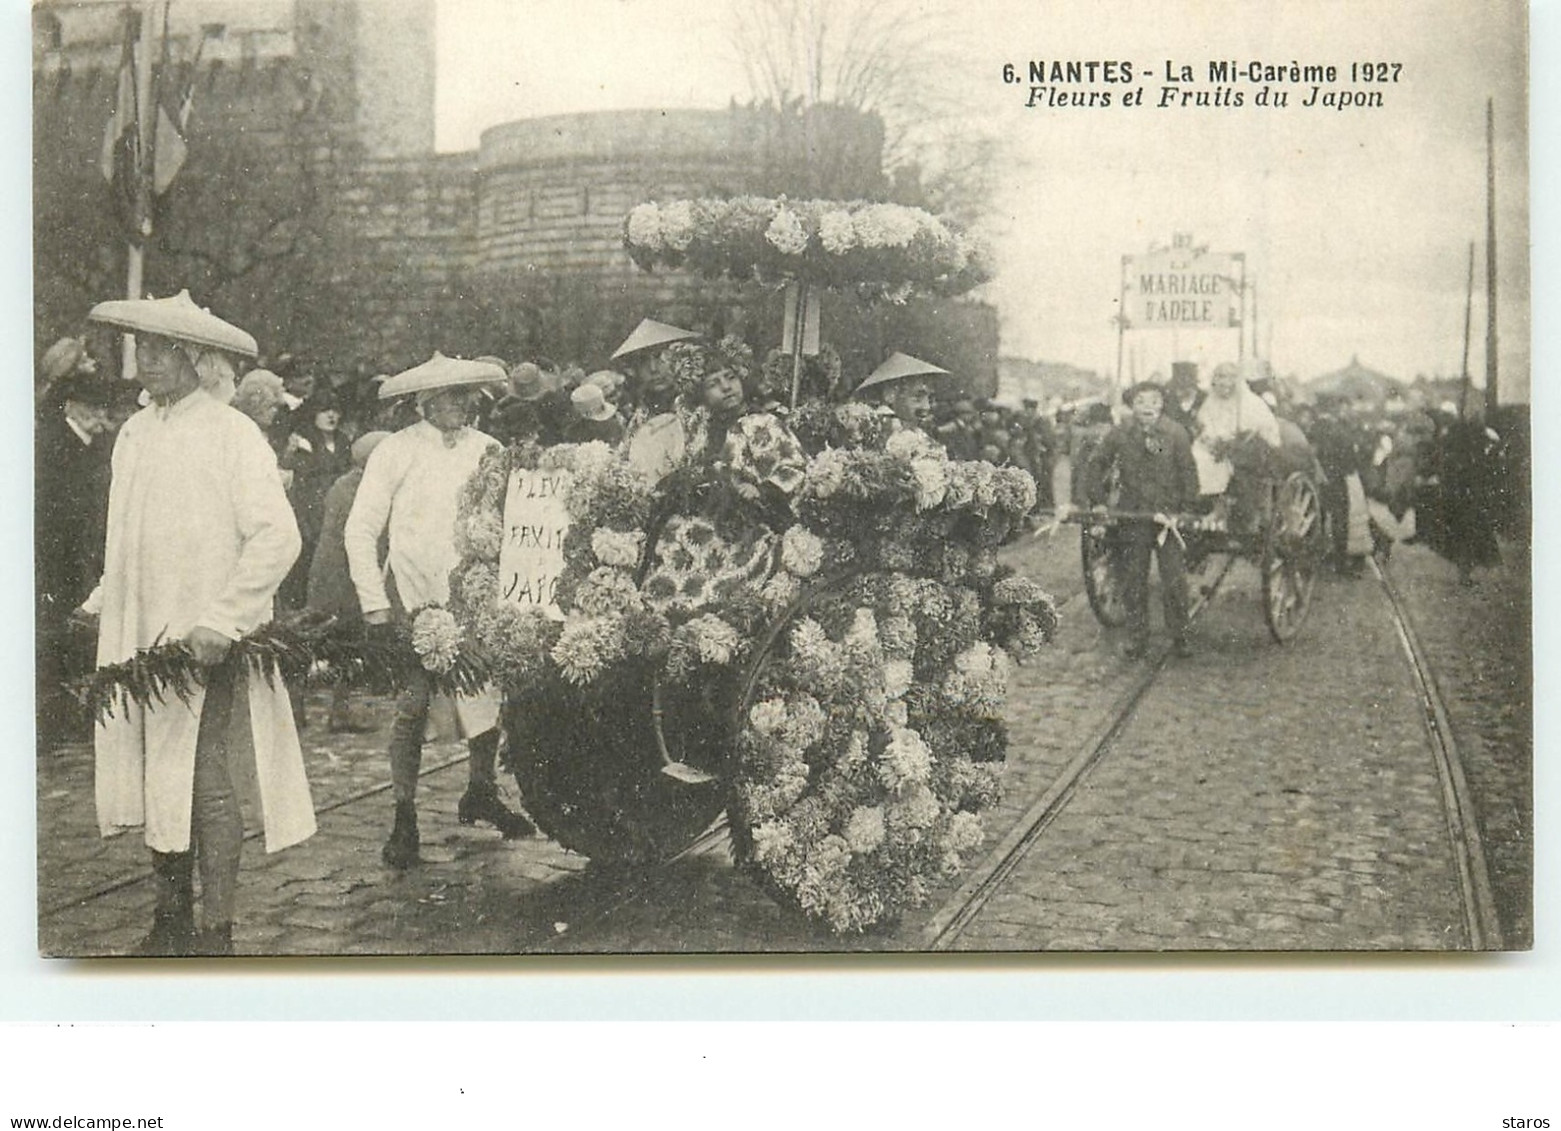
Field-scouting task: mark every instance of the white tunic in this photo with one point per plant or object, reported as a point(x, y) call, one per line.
point(200, 534)
point(412, 484)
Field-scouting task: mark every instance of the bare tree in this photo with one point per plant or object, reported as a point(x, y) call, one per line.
point(898, 59)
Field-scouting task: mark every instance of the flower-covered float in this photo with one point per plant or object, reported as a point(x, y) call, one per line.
point(815, 641)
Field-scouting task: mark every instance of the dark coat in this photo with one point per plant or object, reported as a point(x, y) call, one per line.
point(71, 505)
point(1155, 468)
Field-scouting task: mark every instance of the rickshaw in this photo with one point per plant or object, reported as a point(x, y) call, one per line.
point(1280, 530)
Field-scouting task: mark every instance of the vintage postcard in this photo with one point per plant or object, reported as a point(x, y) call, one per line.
point(758, 476)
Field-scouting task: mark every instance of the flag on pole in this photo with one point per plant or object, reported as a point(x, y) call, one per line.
point(121, 140)
point(169, 149)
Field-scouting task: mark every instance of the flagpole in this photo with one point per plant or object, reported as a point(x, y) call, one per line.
point(1492, 393)
point(146, 141)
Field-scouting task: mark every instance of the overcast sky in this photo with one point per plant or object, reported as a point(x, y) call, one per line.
point(1356, 225)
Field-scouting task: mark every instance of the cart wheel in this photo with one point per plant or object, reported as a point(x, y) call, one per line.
point(1102, 576)
point(1292, 554)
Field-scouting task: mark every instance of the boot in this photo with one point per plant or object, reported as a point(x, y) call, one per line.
point(173, 922)
point(401, 850)
point(481, 802)
point(215, 941)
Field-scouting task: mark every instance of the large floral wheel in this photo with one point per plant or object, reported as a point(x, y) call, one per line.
point(588, 762)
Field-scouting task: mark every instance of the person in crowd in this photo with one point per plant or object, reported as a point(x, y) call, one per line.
point(316, 455)
point(261, 396)
point(199, 537)
point(330, 579)
point(70, 516)
point(411, 488)
point(1342, 452)
point(1183, 397)
point(534, 407)
point(1039, 441)
point(903, 385)
point(1234, 426)
point(1461, 470)
point(592, 417)
point(66, 358)
point(1156, 474)
point(654, 435)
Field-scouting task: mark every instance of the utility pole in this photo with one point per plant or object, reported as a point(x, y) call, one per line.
point(1468, 316)
point(1492, 397)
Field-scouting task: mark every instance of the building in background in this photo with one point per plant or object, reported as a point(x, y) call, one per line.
point(313, 209)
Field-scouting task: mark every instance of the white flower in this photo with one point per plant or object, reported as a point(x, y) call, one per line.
point(897, 677)
point(768, 717)
point(586, 646)
point(713, 639)
point(919, 810)
point(837, 231)
point(965, 832)
point(677, 224)
point(436, 638)
point(771, 840)
point(805, 727)
point(865, 829)
point(932, 482)
point(896, 714)
point(645, 227)
point(802, 551)
point(781, 590)
point(914, 444)
point(975, 660)
point(826, 473)
point(617, 547)
point(605, 591)
point(863, 632)
point(786, 233)
point(906, 761)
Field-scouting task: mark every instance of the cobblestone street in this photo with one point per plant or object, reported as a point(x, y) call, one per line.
point(1261, 797)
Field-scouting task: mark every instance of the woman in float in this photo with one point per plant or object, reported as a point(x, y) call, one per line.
point(1228, 422)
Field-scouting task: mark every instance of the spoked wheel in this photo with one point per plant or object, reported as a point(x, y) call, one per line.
point(1292, 554)
point(1102, 562)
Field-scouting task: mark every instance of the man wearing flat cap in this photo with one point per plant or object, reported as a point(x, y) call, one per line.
point(1155, 475)
point(200, 535)
point(411, 487)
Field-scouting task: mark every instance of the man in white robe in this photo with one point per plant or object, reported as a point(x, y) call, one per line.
point(411, 487)
point(200, 534)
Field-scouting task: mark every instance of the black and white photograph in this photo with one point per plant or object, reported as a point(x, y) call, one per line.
point(705, 477)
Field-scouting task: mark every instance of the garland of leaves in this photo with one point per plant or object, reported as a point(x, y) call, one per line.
point(880, 250)
point(305, 646)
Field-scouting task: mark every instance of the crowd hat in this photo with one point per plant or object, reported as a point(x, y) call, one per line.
point(590, 402)
point(440, 372)
point(1130, 394)
point(178, 318)
point(608, 380)
point(899, 367)
point(528, 381)
point(651, 333)
point(62, 358)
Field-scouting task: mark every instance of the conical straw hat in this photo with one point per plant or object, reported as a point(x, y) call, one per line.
point(177, 317)
point(651, 333)
point(441, 372)
point(897, 368)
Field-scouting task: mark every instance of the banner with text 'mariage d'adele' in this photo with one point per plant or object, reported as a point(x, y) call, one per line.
point(1183, 288)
